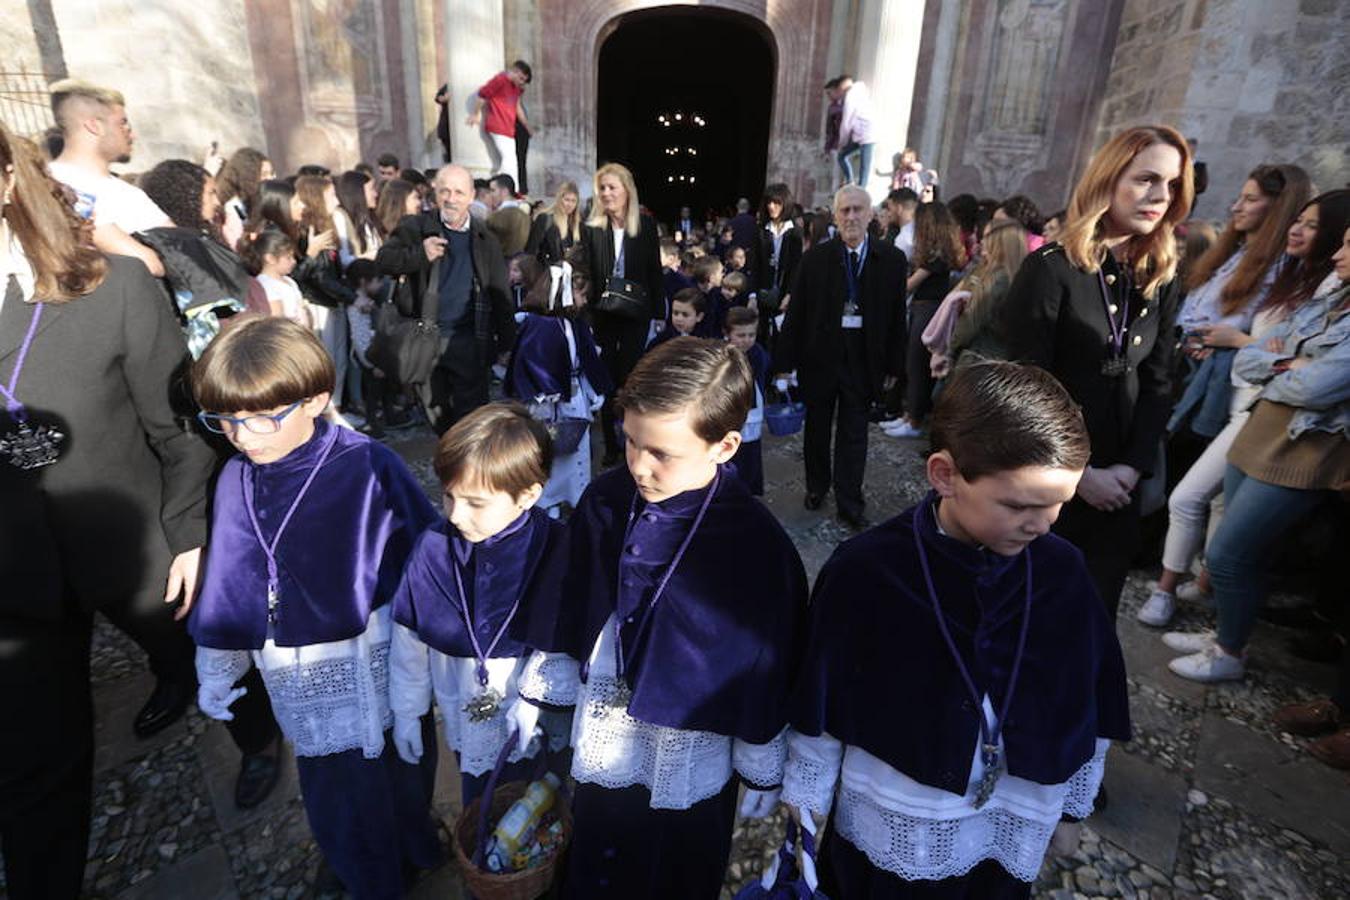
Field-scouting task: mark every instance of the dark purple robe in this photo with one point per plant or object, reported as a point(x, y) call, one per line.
point(494, 572)
point(719, 651)
point(542, 365)
point(878, 674)
point(339, 559)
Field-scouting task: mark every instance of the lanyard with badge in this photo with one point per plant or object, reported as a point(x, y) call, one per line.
point(853, 263)
point(1117, 361)
point(27, 446)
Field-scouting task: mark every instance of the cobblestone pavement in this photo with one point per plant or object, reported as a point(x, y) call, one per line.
point(1208, 801)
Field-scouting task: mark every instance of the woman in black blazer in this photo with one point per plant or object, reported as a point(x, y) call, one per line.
point(1096, 310)
point(123, 494)
point(777, 251)
point(620, 241)
point(557, 229)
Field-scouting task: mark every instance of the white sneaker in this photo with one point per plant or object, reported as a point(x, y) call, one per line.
point(1185, 642)
point(1157, 609)
point(903, 430)
point(1210, 664)
point(1191, 593)
point(891, 423)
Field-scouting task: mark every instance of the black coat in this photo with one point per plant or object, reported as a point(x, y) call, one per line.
point(642, 262)
point(546, 241)
point(1054, 317)
point(129, 490)
point(789, 256)
point(812, 339)
point(403, 255)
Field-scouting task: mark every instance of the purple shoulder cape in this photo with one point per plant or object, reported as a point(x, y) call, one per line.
point(340, 557)
point(878, 674)
point(721, 649)
point(496, 575)
point(541, 364)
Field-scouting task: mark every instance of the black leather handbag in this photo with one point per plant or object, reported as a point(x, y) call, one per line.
point(405, 348)
point(624, 298)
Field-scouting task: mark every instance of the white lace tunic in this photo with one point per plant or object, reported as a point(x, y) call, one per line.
point(418, 671)
point(328, 697)
point(613, 750)
point(921, 832)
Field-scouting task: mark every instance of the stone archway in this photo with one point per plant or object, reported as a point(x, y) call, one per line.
point(568, 63)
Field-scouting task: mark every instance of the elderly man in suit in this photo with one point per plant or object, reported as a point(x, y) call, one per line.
point(456, 275)
point(844, 333)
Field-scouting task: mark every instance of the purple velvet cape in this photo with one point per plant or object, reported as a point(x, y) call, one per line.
point(339, 559)
point(721, 648)
point(542, 365)
point(878, 674)
point(496, 572)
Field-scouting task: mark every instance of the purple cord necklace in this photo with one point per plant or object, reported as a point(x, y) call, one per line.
point(989, 734)
point(484, 705)
point(27, 446)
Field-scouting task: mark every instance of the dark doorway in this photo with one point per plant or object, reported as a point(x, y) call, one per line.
point(684, 101)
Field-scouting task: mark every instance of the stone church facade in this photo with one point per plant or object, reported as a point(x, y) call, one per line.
point(1000, 96)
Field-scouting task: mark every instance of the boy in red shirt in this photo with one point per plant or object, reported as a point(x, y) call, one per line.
point(501, 95)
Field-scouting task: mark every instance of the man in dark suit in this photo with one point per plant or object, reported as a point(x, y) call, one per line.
point(456, 277)
point(844, 333)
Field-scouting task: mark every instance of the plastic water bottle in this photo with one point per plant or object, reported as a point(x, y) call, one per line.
point(517, 825)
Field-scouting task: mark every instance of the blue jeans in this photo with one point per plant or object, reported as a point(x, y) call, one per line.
point(1255, 515)
point(864, 152)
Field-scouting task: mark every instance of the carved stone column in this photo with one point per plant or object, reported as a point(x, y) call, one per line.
point(888, 56)
point(476, 51)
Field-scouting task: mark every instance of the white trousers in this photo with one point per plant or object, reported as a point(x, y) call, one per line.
point(1197, 497)
point(505, 149)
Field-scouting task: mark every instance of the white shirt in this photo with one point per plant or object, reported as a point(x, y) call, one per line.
point(904, 241)
point(612, 749)
point(286, 292)
point(16, 263)
point(327, 698)
point(618, 246)
point(109, 200)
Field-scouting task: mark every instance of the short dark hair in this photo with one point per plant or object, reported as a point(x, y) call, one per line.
point(261, 362)
point(902, 195)
point(995, 416)
point(693, 296)
point(481, 184)
point(739, 317)
point(387, 160)
point(413, 177)
point(500, 446)
point(712, 380)
point(525, 69)
point(501, 179)
point(832, 84)
point(362, 270)
point(314, 169)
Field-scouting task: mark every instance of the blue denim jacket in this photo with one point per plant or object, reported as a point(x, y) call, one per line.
point(1318, 331)
point(1204, 405)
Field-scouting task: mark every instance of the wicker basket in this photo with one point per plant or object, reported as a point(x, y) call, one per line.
point(485, 885)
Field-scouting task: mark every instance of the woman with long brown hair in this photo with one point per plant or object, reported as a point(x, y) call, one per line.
point(938, 253)
point(90, 443)
point(237, 185)
point(1003, 248)
point(398, 200)
point(1096, 310)
point(1225, 288)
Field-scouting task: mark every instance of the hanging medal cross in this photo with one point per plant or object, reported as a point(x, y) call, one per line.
point(31, 447)
point(992, 771)
point(273, 601)
point(484, 705)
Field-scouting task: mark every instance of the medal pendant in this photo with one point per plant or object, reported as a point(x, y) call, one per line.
point(992, 771)
point(1115, 366)
point(29, 447)
point(484, 706)
point(273, 601)
point(618, 701)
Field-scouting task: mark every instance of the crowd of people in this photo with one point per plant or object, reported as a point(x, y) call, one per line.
point(196, 364)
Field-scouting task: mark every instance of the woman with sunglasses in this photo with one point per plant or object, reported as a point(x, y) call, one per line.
point(90, 444)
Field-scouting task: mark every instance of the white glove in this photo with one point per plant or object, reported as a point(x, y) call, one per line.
point(408, 739)
point(524, 717)
point(759, 804)
point(214, 699)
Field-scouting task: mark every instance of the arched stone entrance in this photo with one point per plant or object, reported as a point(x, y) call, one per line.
point(685, 95)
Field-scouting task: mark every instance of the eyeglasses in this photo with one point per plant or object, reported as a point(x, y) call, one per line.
point(259, 424)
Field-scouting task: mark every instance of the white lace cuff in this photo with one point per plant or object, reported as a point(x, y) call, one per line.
point(812, 771)
point(409, 674)
point(1085, 783)
point(551, 678)
point(223, 667)
point(761, 765)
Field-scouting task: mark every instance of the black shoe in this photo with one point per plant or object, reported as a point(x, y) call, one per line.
point(258, 774)
point(1102, 801)
point(166, 705)
point(855, 520)
point(813, 501)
